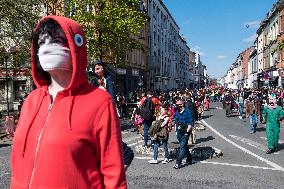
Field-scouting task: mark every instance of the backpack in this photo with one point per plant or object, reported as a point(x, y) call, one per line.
point(147, 110)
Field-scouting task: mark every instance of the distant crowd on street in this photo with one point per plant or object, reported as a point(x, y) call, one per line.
point(182, 109)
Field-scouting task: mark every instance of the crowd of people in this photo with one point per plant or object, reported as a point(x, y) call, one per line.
point(180, 109)
point(69, 131)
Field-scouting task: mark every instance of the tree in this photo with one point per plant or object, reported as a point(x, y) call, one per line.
point(17, 20)
point(279, 47)
point(112, 27)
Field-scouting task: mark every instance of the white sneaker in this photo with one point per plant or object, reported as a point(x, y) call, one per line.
point(166, 160)
point(153, 161)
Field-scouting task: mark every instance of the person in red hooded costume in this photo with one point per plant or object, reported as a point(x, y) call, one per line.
point(68, 134)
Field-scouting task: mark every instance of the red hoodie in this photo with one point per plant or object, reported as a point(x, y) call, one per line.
point(76, 142)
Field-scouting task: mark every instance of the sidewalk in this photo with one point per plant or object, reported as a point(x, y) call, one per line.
point(15, 114)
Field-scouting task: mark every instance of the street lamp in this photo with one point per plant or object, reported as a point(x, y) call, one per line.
point(6, 79)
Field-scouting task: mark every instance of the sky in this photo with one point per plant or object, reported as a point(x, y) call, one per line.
point(219, 29)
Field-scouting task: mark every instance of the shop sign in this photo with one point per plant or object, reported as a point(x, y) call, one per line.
point(275, 73)
point(121, 71)
point(135, 72)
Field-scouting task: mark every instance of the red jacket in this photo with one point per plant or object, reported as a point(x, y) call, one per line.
point(76, 143)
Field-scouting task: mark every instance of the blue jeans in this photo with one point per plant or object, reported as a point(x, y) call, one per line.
point(218, 98)
point(252, 122)
point(156, 147)
point(241, 109)
point(147, 125)
point(183, 148)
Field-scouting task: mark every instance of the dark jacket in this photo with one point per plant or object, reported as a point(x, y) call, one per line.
point(156, 129)
point(192, 106)
point(109, 86)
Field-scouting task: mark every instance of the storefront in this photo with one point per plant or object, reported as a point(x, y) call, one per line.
point(269, 78)
point(129, 79)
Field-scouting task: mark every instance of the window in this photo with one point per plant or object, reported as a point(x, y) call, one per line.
point(133, 57)
point(142, 35)
point(2, 90)
point(142, 59)
point(154, 38)
point(19, 88)
point(141, 6)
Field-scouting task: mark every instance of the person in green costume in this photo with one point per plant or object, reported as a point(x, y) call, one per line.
point(273, 114)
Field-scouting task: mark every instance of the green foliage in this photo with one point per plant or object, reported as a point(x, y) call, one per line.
point(110, 27)
point(279, 47)
point(17, 20)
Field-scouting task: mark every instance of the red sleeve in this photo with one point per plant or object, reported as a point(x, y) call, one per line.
point(156, 101)
point(109, 147)
point(142, 101)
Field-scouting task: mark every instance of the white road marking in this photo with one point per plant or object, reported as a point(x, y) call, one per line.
point(244, 149)
point(125, 132)
point(240, 165)
point(217, 163)
point(250, 142)
point(159, 159)
point(131, 138)
point(140, 141)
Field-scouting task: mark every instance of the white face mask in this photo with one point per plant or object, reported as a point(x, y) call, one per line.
point(54, 57)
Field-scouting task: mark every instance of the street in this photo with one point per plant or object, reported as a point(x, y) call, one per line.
point(244, 163)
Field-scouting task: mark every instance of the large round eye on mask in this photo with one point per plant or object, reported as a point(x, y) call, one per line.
point(78, 40)
point(54, 57)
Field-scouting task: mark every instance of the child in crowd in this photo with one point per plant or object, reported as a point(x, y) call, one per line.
point(161, 136)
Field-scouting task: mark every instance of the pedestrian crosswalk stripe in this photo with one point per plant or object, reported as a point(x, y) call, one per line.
point(242, 148)
point(140, 141)
point(240, 165)
point(159, 159)
point(125, 132)
point(249, 142)
point(126, 140)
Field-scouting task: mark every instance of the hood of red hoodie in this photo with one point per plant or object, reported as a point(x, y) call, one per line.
point(77, 44)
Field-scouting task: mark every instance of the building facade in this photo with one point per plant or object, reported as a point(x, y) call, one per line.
point(192, 63)
point(252, 69)
point(265, 59)
point(168, 61)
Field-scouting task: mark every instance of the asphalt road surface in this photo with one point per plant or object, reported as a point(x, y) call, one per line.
point(244, 163)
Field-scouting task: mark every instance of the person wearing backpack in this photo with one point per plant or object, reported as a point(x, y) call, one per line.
point(147, 111)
